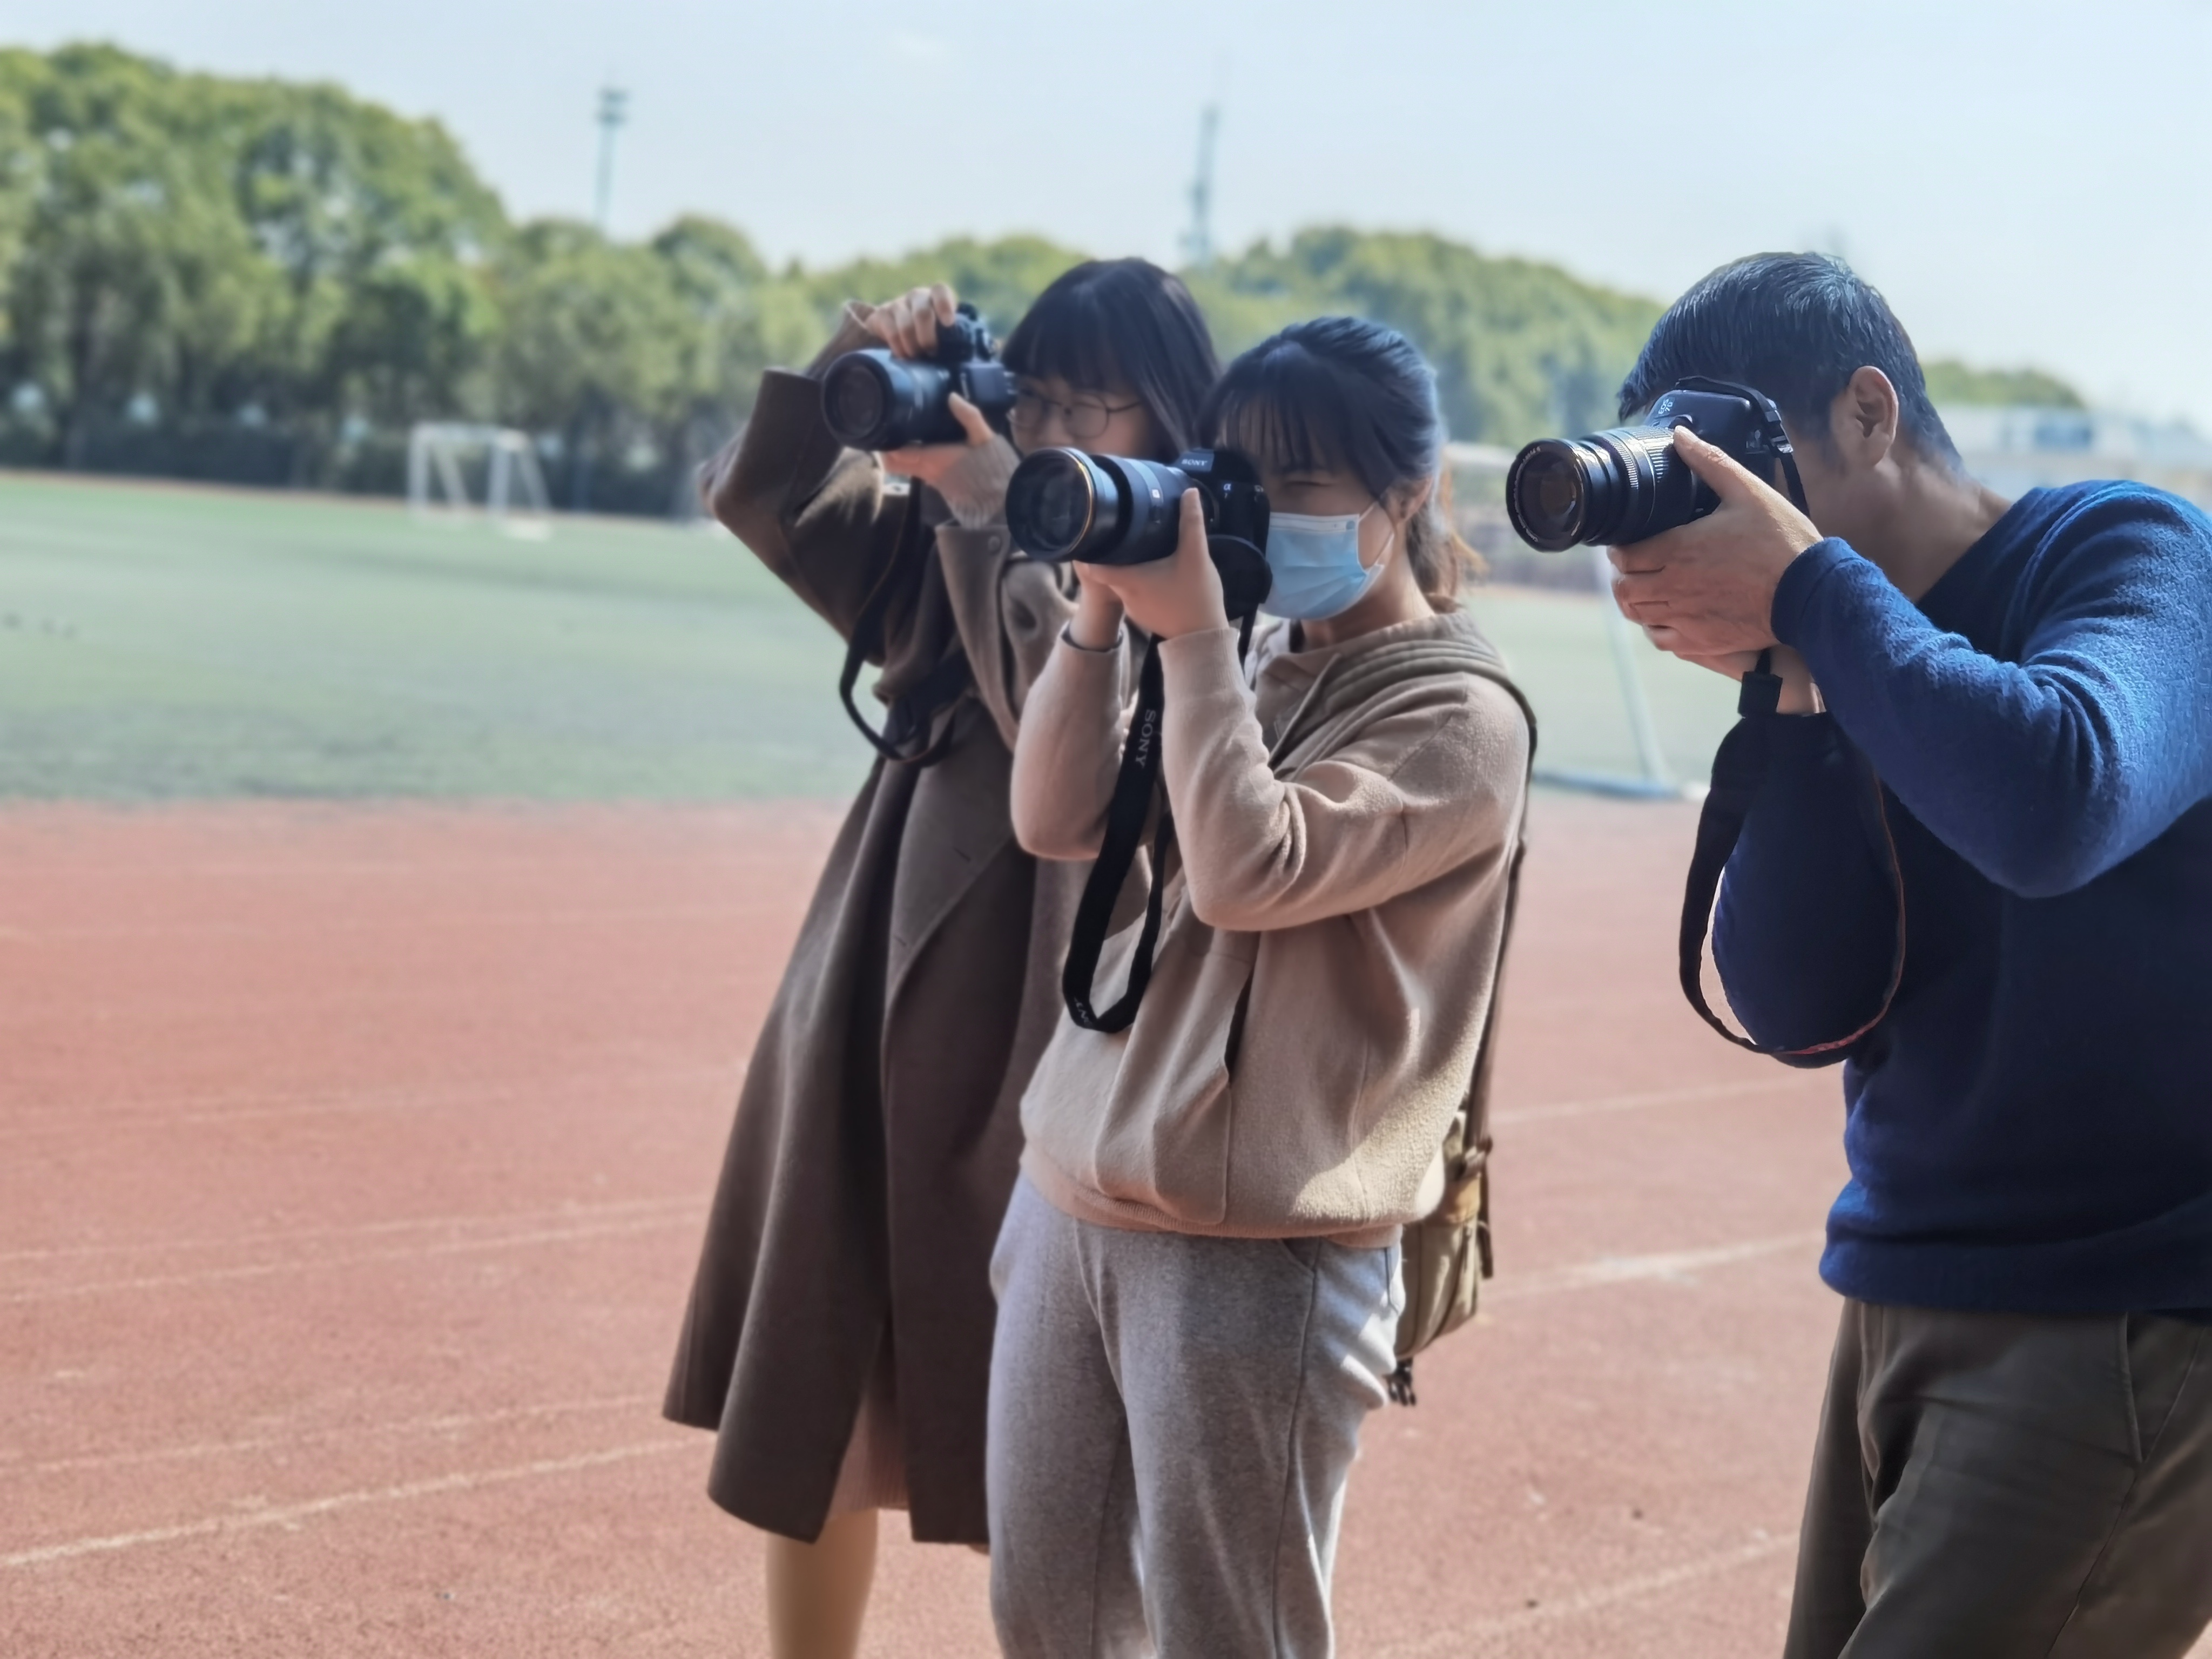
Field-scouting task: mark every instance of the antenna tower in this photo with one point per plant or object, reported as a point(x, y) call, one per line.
point(614, 110)
point(1197, 241)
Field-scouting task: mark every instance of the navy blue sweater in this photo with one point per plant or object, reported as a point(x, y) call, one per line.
point(2030, 1129)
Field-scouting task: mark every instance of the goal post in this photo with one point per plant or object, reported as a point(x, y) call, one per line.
point(443, 455)
point(1485, 466)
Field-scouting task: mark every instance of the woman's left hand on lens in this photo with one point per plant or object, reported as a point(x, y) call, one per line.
point(1179, 594)
point(931, 462)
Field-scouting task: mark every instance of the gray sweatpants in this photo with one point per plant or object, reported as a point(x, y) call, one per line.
point(2000, 1486)
point(1172, 1421)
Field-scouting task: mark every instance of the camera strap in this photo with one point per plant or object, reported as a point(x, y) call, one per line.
point(1135, 787)
point(1739, 768)
point(905, 737)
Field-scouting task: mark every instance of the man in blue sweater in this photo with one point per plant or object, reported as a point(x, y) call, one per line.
point(2015, 1456)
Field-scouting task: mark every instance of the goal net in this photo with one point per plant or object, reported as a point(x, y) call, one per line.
point(1582, 663)
point(447, 461)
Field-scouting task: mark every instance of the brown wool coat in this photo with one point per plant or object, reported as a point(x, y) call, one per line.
point(878, 1132)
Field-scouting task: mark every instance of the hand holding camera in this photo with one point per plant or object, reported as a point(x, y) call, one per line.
point(908, 324)
point(908, 327)
point(1705, 589)
point(1114, 514)
point(1698, 536)
point(1179, 594)
point(936, 381)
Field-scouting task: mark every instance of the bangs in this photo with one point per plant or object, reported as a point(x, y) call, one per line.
point(1068, 335)
point(1294, 412)
point(1120, 326)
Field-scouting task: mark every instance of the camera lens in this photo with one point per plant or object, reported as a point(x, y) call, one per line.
point(1060, 504)
point(1560, 492)
point(1608, 489)
point(854, 399)
point(1547, 495)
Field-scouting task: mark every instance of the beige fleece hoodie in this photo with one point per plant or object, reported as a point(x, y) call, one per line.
point(1332, 931)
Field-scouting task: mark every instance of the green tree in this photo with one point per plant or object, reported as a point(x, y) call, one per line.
point(1950, 381)
point(380, 234)
point(132, 274)
point(596, 343)
point(21, 163)
point(1002, 278)
point(745, 319)
point(1519, 349)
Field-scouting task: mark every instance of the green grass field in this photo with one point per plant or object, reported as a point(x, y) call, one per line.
point(168, 643)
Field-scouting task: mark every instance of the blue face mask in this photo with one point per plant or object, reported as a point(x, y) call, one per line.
point(1315, 561)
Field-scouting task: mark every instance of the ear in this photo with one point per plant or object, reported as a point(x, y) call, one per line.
point(1401, 501)
point(1862, 420)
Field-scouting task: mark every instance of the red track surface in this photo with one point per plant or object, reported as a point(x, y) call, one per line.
point(352, 1163)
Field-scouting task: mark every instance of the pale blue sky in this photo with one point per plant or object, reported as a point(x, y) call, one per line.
point(2029, 182)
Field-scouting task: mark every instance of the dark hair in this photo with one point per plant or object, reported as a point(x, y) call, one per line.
point(1797, 326)
point(1123, 323)
point(1341, 393)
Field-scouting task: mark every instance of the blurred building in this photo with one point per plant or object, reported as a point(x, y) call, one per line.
point(2017, 448)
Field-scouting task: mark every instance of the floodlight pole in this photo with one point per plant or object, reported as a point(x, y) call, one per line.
point(1198, 242)
point(614, 110)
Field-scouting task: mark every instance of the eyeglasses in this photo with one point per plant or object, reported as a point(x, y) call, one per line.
point(1083, 419)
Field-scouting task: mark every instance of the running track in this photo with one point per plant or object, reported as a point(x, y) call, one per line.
point(352, 1161)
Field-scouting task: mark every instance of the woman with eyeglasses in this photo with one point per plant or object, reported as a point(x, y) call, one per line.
point(838, 1338)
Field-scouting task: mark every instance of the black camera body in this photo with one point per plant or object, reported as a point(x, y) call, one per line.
point(1115, 509)
point(1620, 486)
point(876, 399)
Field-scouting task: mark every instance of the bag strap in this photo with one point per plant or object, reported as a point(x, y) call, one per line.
point(1477, 1091)
point(914, 712)
point(1474, 1107)
point(1739, 768)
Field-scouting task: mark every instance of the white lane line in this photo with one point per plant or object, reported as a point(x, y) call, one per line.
point(361, 1258)
point(1498, 1634)
point(448, 1424)
point(1579, 1276)
point(188, 1110)
point(361, 1229)
point(413, 923)
point(1791, 1083)
point(291, 1515)
point(1627, 1269)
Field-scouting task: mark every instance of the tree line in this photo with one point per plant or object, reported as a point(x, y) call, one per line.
point(270, 281)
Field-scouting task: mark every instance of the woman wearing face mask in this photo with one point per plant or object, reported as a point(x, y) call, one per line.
point(838, 1336)
point(1199, 1273)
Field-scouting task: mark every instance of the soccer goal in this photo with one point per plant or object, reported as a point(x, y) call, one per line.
point(1579, 712)
point(443, 457)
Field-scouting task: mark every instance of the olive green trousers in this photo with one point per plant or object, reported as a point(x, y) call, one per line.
point(2000, 1486)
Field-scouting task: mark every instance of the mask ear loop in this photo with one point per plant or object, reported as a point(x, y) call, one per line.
point(1374, 572)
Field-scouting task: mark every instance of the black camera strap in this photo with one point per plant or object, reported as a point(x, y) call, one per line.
point(1134, 787)
point(907, 734)
point(1739, 768)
